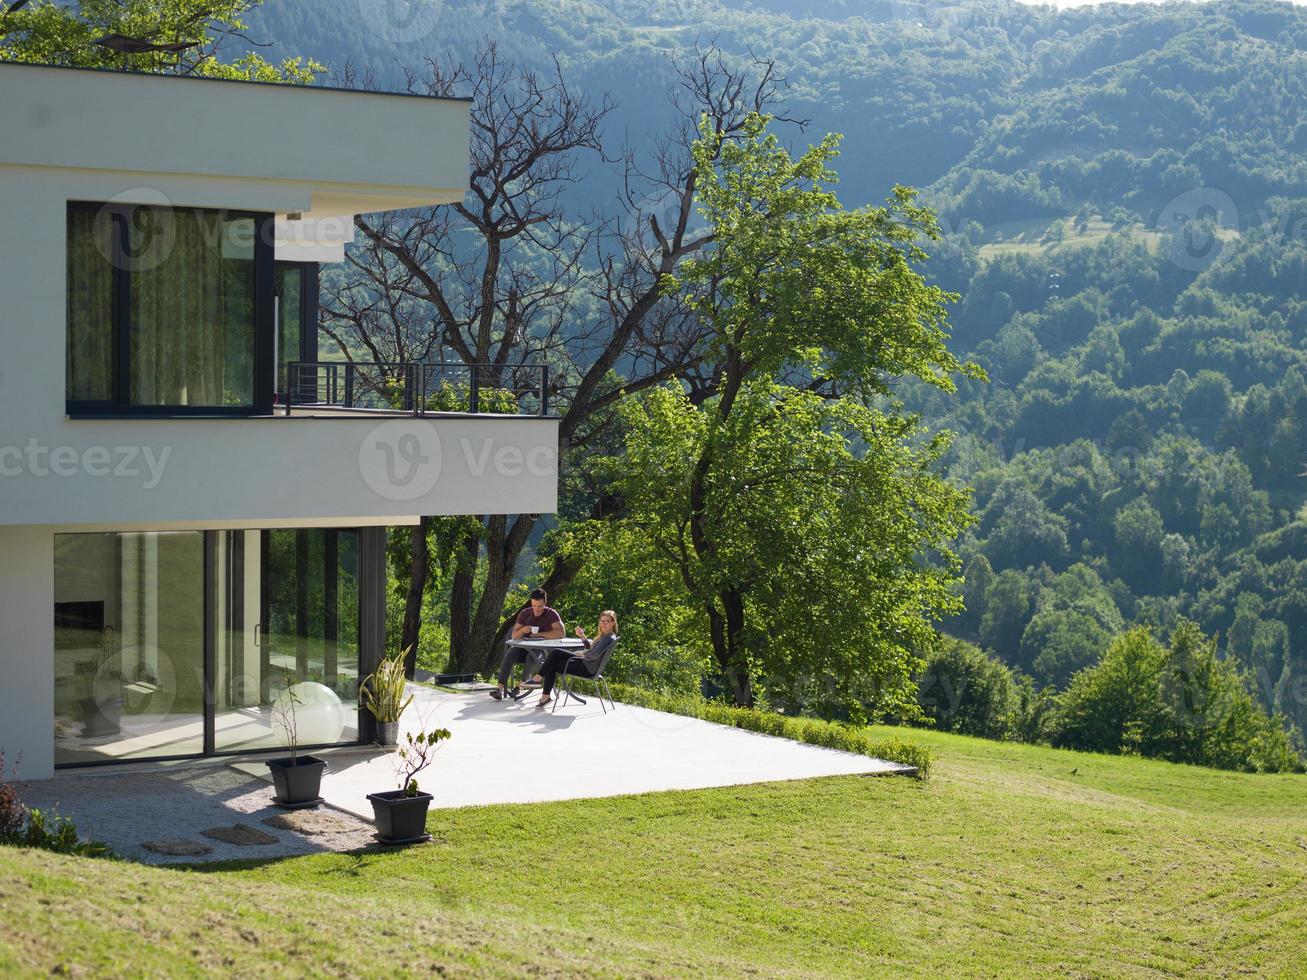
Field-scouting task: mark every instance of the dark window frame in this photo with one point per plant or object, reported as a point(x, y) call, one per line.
point(265, 326)
point(308, 327)
point(371, 642)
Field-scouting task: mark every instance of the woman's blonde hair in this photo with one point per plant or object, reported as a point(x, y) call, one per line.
point(611, 615)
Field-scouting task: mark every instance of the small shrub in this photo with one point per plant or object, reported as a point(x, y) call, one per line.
point(13, 815)
point(813, 731)
point(44, 829)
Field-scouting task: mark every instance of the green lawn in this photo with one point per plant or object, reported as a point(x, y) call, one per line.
point(1004, 862)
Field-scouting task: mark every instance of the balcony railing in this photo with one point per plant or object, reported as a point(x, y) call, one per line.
point(417, 388)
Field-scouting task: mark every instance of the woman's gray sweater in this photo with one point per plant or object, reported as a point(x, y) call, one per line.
point(594, 650)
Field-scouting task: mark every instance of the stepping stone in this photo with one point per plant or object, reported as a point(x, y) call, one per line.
point(177, 847)
point(239, 834)
point(312, 823)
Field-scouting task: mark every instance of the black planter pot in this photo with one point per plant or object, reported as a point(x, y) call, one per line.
point(387, 734)
point(297, 784)
point(400, 819)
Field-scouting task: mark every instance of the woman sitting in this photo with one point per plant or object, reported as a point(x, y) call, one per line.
point(578, 665)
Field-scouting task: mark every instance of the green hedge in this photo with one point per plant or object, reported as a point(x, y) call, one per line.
point(831, 735)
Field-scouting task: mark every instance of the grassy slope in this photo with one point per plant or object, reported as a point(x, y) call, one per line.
point(1004, 862)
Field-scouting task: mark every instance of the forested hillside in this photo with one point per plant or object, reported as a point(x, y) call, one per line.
point(1123, 193)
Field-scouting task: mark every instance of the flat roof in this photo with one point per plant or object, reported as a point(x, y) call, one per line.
point(237, 81)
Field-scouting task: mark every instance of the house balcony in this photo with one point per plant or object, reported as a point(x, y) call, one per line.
point(335, 388)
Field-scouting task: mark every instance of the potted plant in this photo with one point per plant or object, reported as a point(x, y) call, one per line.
point(401, 814)
point(384, 695)
point(296, 780)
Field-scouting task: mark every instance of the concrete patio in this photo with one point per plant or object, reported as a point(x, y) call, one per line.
point(500, 752)
point(513, 752)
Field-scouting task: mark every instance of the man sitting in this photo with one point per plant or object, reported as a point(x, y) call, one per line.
point(536, 621)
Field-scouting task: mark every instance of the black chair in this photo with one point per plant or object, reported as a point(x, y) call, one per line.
point(597, 679)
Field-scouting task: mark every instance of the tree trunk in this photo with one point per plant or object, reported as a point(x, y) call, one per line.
point(460, 602)
point(725, 630)
point(479, 652)
point(504, 544)
point(419, 566)
point(726, 625)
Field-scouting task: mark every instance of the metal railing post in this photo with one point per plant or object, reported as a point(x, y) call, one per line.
point(544, 389)
point(474, 390)
point(349, 384)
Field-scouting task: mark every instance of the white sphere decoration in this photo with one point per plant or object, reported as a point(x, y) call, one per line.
point(319, 715)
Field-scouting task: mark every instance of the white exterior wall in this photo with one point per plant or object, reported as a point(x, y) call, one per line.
point(95, 136)
point(27, 650)
point(92, 136)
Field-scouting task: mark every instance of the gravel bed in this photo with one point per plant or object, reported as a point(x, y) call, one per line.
point(171, 809)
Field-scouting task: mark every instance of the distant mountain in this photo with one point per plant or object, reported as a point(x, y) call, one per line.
point(1004, 110)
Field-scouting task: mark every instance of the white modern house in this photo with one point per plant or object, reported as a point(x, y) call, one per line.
point(192, 504)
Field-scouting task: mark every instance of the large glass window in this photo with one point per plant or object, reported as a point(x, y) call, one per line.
point(90, 306)
point(290, 630)
point(129, 646)
point(271, 618)
point(297, 329)
point(163, 309)
point(290, 313)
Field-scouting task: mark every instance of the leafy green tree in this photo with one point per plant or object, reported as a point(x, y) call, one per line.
point(816, 512)
point(1137, 533)
point(964, 690)
point(976, 581)
point(1181, 703)
point(663, 635)
point(169, 36)
point(1058, 642)
point(1027, 533)
point(1211, 718)
point(1115, 706)
point(1130, 433)
point(1007, 609)
point(796, 514)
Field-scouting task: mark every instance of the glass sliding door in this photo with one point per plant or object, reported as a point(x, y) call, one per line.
point(289, 638)
point(129, 629)
point(266, 622)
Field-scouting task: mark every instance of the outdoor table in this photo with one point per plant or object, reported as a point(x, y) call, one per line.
point(542, 647)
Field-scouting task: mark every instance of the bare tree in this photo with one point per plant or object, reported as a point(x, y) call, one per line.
point(509, 276)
